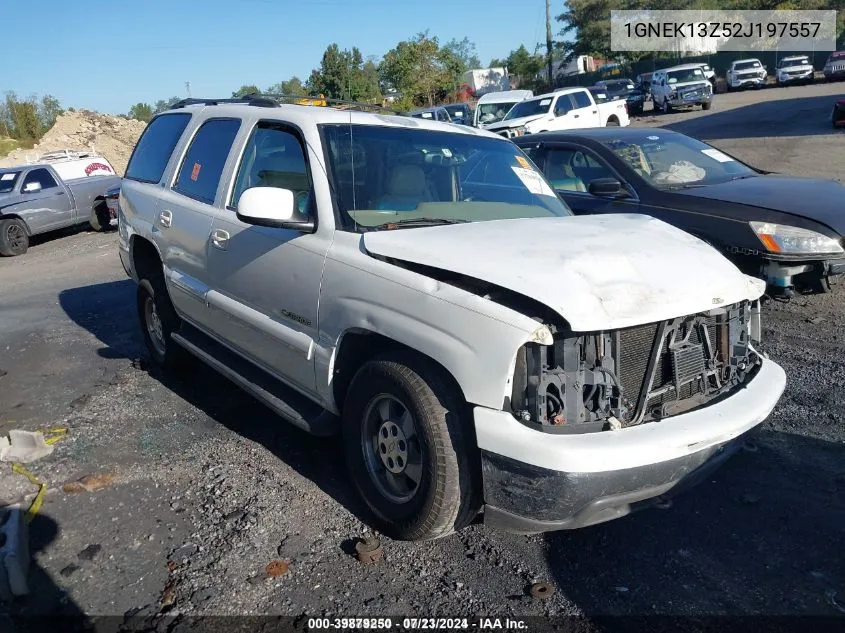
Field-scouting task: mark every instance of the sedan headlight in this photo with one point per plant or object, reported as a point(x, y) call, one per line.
point(779, 238)
point(518, 131)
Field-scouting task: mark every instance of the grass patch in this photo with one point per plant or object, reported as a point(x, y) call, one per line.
point(7, 145)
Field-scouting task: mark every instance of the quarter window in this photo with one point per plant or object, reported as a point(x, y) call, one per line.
point(273, 157)
point(152, 153)
point(203, 163)
point(582, 100)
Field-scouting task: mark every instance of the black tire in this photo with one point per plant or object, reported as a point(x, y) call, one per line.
point(440, 449)
point(706, 105)
point(14, 239)
point(153, 299)
point(100, 219)
point(666, 107)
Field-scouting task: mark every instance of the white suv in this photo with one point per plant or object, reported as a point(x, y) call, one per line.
point(744, 73)
point(681, 86)
point(795, 69)
point(418, 287)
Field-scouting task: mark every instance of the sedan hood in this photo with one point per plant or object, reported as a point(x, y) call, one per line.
point(816, 199)
point(597, 272)
point(503, 125)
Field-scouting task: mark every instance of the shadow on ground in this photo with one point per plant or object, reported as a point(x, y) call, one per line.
point(762, 535)
point(108, 311)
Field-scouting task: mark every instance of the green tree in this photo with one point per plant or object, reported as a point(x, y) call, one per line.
point(24, 123)
point(419, 69)
point(464, 50)
point(141, 111)
point(161, 105)
point(245, 90)
point(523, 67)
point(344, 75)
point(48, 111)
point(292, 86)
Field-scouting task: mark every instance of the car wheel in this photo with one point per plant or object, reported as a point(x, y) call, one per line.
point(665, 107)
point(706, 105)
point(158, 321)
point(14, 239)
point(409, 450)
point(100, 219)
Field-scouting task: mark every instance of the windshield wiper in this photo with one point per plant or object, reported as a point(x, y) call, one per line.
point(412, 222)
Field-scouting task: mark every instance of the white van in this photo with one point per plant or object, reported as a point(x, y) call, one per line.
point(493, 106)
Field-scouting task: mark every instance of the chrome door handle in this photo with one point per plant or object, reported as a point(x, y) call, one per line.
point(220, 239)
point(165, 218)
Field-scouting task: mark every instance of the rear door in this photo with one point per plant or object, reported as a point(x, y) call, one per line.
point(266, 281)
point(585, 111)
point(46, 203)
point(185, 213)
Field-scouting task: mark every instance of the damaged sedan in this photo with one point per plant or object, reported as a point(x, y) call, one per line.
point(420, 289)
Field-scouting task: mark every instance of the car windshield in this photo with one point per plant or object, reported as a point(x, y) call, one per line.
point(747, 65)
point(837, 55)
point(493, 112)
point(530, 107)
point(599, 94)
point(619, 87)
point(457, 112)
point(387, 176)
point(8, 180)
point(797, 61)
point(428, 114)
point(683, 76)
point(674, 161)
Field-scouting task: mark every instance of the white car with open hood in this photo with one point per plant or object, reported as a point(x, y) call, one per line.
point(418, 288)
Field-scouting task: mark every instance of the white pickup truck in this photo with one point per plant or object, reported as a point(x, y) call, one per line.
point(419, 288)
point(59, 190)
point(564, 109)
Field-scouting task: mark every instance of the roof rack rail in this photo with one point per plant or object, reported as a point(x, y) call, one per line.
point(270, 100)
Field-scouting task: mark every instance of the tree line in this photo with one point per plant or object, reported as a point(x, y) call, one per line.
point(417, 72)
point(26, 120)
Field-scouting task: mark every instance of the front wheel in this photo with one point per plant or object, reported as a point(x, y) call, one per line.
point(706, 105)
point(665, 107)
point(409, 449)
point(100, 219)
point(14, 239)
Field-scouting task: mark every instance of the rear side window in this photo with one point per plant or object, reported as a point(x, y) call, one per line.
point(200, 172)
point(582, 100)
point(153, 150)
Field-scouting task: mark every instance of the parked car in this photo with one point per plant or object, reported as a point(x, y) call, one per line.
point(834, 67)
point(681, 86)
point(493, 106)
point(566, 381)
point(785, 230)
point(746, 73)
point(437, 113)
point(459, 113)
point(626, 90)
point(59, 190)
point(794, 69)
point(563, 109)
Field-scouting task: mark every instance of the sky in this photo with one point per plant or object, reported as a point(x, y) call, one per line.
point(108, 56)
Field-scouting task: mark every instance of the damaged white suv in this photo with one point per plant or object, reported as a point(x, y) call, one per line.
point(419, 288)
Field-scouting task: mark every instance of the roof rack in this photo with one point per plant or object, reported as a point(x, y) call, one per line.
point(270, 100)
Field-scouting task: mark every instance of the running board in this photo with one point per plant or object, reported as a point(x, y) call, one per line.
point(284, 401)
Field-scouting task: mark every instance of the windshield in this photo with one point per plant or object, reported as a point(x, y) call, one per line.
point(619, 87)
point(683, 76)
point(531, 107)
point(457, 111)
point(8, 180)
point(387, 175)
point(837, 55)
point(493, 112)
point(798, 61)
point(674, 160)
point(599, 94)
point(747, 65)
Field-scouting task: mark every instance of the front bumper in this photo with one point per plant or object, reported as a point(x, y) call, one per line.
point(781, 274)
point(680, 102)
point(537, 482)
point(744, 83)
point(804, 76)
point(834, 74)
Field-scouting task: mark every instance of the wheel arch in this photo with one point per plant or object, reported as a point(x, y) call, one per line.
point(145, 257)
point(15, 216)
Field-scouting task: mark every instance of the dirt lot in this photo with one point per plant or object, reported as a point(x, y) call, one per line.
point(210, 487)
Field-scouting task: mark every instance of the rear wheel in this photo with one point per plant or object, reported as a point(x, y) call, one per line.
point(14, 239)
point(408, 448)
point(158, 321)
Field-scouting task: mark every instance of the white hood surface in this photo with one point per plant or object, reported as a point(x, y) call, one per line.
point(599, 272)
point(502, 125)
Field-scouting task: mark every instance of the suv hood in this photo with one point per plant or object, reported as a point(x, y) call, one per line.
point(698, 83)
point(598, 272)
point(504, 125)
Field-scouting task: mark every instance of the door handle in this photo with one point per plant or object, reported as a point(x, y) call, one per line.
point(220, 239)
point(165, 218)
point(575, 116)
point(60, 193)
point(595, 111)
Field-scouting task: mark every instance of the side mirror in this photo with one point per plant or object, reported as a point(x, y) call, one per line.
point(273, 207)
point(607, 187)
point(32, 187)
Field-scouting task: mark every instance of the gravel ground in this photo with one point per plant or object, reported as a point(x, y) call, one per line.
point(209, 487)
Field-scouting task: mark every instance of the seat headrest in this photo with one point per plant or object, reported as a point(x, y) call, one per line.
point(406, 180)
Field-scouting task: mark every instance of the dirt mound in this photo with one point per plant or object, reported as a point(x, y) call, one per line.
point(111, 136)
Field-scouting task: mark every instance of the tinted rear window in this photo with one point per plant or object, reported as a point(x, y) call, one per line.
point(155, 146)
point(581, 99)
point(200, 173)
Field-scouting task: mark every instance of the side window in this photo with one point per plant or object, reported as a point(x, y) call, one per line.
point(570, 169)
point(442, 115)
point(582, 99)
point(42, 177)
point(273, 157)
point(203, 163)
point(152, 153)
point(563, 105)
point(533, 152)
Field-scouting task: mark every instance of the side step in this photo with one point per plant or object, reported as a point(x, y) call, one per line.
point(286, 402)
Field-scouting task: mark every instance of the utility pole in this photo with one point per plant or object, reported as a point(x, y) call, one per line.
point(549, 45)
point(188, 88)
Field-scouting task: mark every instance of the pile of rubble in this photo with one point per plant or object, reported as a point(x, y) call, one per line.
point(113, 137)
